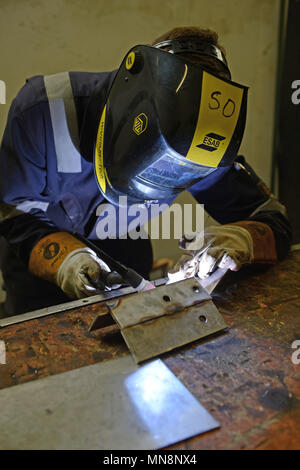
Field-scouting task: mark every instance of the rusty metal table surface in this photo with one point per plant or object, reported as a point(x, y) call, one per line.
point(245, 377)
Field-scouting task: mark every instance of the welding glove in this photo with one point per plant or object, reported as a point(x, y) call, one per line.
point(82, 273)
point(62, 259)
point(227, 246)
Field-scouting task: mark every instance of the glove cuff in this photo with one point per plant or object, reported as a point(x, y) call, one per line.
point(264, 246)
point(49, 253)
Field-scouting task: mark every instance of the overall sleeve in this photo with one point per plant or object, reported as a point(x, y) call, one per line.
point(240, 197)
point(23, 218)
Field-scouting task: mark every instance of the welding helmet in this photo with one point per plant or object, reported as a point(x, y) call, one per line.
point(166, 124)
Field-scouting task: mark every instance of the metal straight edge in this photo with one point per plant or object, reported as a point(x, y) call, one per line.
point(211, 282)
point(71, 305)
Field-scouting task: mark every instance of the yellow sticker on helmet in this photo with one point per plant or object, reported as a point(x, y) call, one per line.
point(220, 106)
point(130, 60)
point(99, 165)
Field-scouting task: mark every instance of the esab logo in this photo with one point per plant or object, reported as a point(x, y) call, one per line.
point(211, 142)
point(140, 123)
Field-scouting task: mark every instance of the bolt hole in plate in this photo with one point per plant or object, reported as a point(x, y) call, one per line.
point(149, 330)
point(196, 289)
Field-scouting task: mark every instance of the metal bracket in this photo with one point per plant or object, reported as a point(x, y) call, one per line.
point(162, 319)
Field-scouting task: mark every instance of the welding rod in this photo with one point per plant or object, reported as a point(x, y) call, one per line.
point(129, 275)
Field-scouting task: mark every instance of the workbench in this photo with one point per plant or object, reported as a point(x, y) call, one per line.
point(244, 376)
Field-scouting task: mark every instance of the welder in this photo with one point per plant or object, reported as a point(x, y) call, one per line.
point(170, 118)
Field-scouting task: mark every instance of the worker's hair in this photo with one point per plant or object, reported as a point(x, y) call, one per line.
point(206, 35)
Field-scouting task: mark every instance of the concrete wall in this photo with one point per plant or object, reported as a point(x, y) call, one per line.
point(42, 37)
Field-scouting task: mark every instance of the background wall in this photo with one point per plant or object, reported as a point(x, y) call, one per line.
point(42, 37)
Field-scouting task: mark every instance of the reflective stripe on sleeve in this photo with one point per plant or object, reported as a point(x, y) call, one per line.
point(272, 204)
point(8, 211)
point(26, 206)
point(64, 122)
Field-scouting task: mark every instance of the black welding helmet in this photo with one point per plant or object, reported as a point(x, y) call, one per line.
point(166, 124)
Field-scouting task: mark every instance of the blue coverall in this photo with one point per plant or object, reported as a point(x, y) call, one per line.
point(47, 174)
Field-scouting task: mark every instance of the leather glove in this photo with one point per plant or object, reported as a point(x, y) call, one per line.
point(227, 246)
point(83, 274)
point(62, 259)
